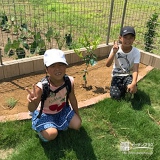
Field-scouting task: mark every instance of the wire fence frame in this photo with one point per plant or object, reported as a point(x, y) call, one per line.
point(103, 18)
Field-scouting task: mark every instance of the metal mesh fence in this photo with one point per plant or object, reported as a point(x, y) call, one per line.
point(138, 13)
point(102, 18)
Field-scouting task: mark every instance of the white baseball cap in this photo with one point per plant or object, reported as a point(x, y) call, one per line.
point(52, 56)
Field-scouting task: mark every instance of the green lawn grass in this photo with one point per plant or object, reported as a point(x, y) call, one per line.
point(106, 126)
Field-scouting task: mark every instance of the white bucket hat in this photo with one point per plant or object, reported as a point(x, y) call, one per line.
point(52, 56)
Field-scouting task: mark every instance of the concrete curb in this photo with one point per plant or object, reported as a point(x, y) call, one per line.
point(82, 104)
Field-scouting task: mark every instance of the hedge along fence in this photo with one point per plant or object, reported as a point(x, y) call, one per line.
point(10, 69)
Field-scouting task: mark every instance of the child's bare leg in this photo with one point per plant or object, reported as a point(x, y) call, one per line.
point(75, 122)
point(49, 134)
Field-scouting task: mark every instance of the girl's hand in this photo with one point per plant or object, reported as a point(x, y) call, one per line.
point(32, 96)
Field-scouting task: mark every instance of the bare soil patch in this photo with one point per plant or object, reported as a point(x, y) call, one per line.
point(99, 77)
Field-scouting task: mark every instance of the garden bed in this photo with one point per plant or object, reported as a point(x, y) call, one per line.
point(98, 78)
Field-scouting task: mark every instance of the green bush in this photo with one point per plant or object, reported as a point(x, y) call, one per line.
point(151, 32)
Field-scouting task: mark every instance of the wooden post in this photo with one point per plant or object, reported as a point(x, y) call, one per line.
point(1, 56)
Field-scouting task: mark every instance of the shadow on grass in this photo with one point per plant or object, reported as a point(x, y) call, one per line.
point(77, 142)
point(140, 99)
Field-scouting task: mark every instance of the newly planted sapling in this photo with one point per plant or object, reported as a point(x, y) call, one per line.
point(90, 58)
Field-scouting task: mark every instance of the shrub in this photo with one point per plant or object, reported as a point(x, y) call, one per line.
point(151, 32)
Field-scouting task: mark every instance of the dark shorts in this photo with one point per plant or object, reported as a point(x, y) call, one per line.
point(60, 121)
point(119, 86)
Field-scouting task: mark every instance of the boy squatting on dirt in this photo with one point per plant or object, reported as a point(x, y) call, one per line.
point(56, 115)
point(126, 64)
